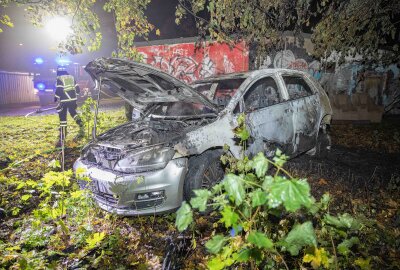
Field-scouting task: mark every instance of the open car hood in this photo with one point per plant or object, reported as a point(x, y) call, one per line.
point(142, 85)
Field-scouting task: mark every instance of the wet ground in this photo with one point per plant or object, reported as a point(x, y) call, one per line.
point(354, 167)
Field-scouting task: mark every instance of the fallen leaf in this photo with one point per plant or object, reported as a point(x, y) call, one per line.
point(322, 181)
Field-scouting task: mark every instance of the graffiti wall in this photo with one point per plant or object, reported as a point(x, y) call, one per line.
point(188, 63)
point(381, 84)
point(292, 58)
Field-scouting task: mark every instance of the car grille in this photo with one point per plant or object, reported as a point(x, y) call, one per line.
point(111, 201)
point(107, 199)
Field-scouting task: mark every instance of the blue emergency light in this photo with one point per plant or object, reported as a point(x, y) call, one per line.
point(40, 86)
point(63, 61)
point(39, 60)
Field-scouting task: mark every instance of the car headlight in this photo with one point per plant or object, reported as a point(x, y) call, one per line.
point(145, 160)
point(88, 152)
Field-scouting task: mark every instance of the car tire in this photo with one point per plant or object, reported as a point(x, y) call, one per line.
point(205, 171)
point(323, 146)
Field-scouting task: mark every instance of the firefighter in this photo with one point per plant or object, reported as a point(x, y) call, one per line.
point(66, 94)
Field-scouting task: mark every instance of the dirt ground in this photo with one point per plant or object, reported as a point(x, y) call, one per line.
point(355, 170)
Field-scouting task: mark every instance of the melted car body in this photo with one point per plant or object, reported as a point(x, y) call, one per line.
point(151, 164)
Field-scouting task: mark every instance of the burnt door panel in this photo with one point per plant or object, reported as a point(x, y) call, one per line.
point(305, 104)
point(269, 118)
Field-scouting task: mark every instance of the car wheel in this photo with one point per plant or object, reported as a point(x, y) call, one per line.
point(323, 146)
point(204, 172)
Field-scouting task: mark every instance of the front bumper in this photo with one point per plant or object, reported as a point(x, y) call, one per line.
point(128, 194)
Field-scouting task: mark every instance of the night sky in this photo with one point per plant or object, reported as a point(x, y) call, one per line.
point(35, 42)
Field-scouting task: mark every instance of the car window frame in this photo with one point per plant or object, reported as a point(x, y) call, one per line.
point(305, 79)
point(240, 104)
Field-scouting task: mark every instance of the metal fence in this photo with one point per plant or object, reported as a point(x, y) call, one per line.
point(16, 87)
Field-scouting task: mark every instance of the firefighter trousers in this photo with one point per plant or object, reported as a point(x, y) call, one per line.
point(63, 108)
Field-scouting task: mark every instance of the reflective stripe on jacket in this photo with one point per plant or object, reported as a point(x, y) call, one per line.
point(66, 89)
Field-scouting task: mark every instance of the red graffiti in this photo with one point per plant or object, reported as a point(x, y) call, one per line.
point(299, 64)
point(188, 64)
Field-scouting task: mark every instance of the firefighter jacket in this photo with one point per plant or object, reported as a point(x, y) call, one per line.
point(66, 89)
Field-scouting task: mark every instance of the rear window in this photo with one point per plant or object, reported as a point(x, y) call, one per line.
point(220, 92)
point(297, 87)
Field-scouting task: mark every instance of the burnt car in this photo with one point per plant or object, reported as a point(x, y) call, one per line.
point(151, 164)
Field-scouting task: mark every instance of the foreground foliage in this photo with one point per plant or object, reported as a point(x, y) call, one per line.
point(272, 221)
point(269, 220)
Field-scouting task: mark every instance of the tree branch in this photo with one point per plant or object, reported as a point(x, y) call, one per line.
point(76, 11)
point(191, 12)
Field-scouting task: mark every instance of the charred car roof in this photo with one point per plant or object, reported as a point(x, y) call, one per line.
point(244, 75)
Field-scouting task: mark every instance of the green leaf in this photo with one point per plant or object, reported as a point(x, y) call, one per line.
point(280, 158)
point(242, 133)
point(267, 183)
point(317, 258)
point(344, 247)
point(344, 221)
point(229, 217)
point(260, 164)
point(233, 185)
point(54, 164)
point(258, 197)
point(241, 119)
point(291, 193)
point(26, 197)
point(244, 255)
point(184, 217)
point(260, 240)
point(64, 228)
point(216, 263)
point(300, 236)
point(21, 185)
point(216, 243)
point(200, 201)
point(322, 204)
point(94, 239)
point(364, 264)
point(250, 177)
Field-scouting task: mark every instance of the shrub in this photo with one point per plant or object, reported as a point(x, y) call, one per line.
point(269, 220)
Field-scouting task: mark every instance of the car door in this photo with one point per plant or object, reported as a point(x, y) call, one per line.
point(268, 117)
point(305, 103)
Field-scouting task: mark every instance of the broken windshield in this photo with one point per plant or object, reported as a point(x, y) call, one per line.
point(219, 92)
point(180, 109)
